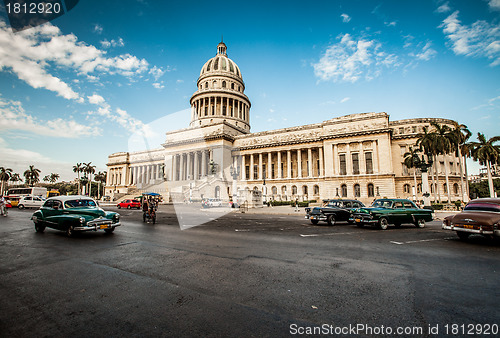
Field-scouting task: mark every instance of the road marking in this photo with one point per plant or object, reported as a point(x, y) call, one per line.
point(328, 234)
point(398, 243)
point(422, 240)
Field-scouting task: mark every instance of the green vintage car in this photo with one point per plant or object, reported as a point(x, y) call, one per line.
point(391, 211)
point(74, 214)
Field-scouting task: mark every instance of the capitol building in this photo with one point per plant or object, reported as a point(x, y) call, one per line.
point(357, 156)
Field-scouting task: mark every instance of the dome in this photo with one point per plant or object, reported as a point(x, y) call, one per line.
point(220, 63)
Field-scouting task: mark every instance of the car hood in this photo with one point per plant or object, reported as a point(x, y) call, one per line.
point(475, 217)
point(318, 209)
point(367, 210)
point(95, 212)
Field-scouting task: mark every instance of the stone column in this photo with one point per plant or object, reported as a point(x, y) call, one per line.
point(243, 168)
point(348, 160)
point(204, 163)
point(181, 167)
point(269, 166)
point(188, 169)
point(310, 163)
point(260, 167)
point(321, 169)
point(375, 164)
point(251, 168)
point(288, 164)
point(196, 173)
point(299, 163)
point(279, 165)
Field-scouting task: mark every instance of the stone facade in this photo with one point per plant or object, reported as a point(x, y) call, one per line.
point(355, 156)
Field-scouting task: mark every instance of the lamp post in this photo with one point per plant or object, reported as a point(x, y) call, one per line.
point(235, 173)
point(424, 167)
point(264, 188)
point(213, 167)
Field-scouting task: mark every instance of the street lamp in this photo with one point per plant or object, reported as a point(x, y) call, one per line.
point(213, 167)
point(235, 173)
point(424, 166)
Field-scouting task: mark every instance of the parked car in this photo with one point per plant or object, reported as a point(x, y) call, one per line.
point(30, 202)
point(333, 211)
point(391, 211)
point(74, 214)
point(129, 204)
point(211, 202)
point(480, 216)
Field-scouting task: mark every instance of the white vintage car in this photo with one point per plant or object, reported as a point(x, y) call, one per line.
point(30, 202)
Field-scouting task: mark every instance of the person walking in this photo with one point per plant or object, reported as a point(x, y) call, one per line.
point(3, 206)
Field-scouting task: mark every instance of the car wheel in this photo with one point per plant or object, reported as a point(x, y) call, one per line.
point(21, 206)
point(70, 231)
point(463, 235)
point(314, 221)
point(110, 230)
point(331, 220)
point(420, 223)
point(128, 207)
point(39, 228)
point(119, 206)
point(383, 223)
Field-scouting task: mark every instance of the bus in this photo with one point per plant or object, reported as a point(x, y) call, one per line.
point(53, 192)
point(15, 194)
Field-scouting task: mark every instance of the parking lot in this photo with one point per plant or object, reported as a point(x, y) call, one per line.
point(260, 273)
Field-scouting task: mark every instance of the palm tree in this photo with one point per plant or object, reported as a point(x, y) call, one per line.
point(426, 142)
point(78, 168)
point(53, 177)
point(461, 134)
point(101, 178)
point(15, 178)
point(32, 175)
point(487, 153)
point(444, 139)
point(46, 178)
point(5, 175)
point(89, 169)
point(411, 160)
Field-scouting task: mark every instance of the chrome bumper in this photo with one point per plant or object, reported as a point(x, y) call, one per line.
point(316, 217)
point(95, 227)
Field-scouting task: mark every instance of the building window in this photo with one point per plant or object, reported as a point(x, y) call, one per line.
point(255, 171)
point(371, 191)
point(318, 168)
point(355, 164)
point(369, 163)
point(343, 167)
point(223, 84)
point(357, 190)
point(283, 190)
point(304, 190)
point(264, 171)
point(455, 189)
point(232, 85)
point(282, 169)
point(272, 170)
point(294, 190)
point(206, 85)
point(406, 188)
point(343, 189)
point(419, 188)
point(274, 190)
point(405, 169)
point(316, 190)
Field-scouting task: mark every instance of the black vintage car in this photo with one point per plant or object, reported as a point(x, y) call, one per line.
point(333, 211)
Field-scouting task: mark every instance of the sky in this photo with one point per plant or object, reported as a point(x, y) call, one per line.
point(75, 89)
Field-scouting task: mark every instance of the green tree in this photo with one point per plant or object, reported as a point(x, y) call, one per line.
point(15, 177)
point(443, 145)
point(78, 168)
point(5, 175)
point(487, 153)
point(411, 160)
point(53, 177)
point(101, 178)
point(89, 169)
point(32, 175)
point(426, 142)
point(461, 135)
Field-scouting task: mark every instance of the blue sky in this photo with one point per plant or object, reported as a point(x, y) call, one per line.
point(74, 90)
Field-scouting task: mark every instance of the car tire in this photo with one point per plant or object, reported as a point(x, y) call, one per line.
point(70, 231)
point(39, 228)
point(21, 206)
point(420, 223)
point(463, 235)
point(118, 206)
point(383, 223)
point(110, 230)
point(314, 221)
point(128, 207)
point(331, 220)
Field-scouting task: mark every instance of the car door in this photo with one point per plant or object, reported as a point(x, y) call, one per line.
point(37, 202)
point(398, 213)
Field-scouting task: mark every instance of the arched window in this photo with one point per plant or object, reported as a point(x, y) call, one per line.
point(232, 85)
point(214, 84)
point(419, 188)
point(406, 188)
point(444, 187)
point(343, 189)
point(357, 190)
point(223, 84)
point(283, 190)
point(274, 190)
point(371, 190)
point(217, 192)
point(455, 189)
point(206, 85)
point(294, 190)
point(316, 190)
point(304, 189)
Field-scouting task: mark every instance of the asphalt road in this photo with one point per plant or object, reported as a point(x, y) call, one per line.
point(243, 275)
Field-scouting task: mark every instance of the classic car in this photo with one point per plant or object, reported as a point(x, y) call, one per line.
point(391, 211)
point(480, 216)
point(129, 204)
point(74, 214)
point(333, 211)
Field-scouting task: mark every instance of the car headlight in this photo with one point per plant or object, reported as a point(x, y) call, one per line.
point(82, 220)
point(116, 217)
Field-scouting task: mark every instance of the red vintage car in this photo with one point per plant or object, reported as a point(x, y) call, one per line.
point(480, 216)
point(129, 204)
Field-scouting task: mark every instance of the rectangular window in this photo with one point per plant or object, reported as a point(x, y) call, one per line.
point(318, 168)
point(405, 169)
point(343, 167)
point(264, 172)
point(247, 172)
point(355, 164)
point(272, 170)
point(369, 163)
point(255, 171)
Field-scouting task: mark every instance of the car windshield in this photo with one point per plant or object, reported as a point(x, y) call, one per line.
point(382, 204)
point(337, 204)
point(482, 207)
point(79, 203)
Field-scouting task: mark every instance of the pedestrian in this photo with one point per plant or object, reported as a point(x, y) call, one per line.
point(296, 205)
point(3, 206)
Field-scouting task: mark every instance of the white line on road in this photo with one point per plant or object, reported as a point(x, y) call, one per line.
point(329, 234)
point(422, 240)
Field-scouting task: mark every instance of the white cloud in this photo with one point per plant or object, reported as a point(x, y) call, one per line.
point(349, 60)
point(96, 99)
point(98, 29)
point(157, 72)
point(32, 54)
point(158, 85)
point(390, 24)
point(481, 39)
point(427, 52)
point(113, 43)
point(345, 99)
point(444, 8)
point(14, 117)
point(494, 5)
point(345, 18)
